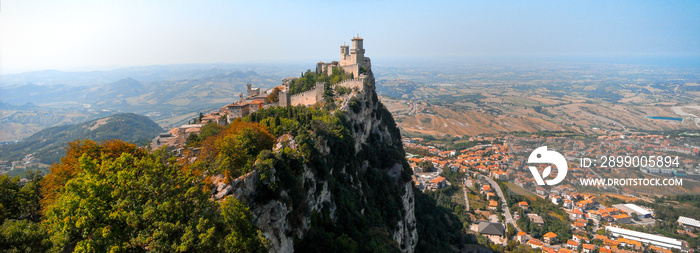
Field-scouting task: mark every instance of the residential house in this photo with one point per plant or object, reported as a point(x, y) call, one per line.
point(535, 244)
point(490, 196)
point(555, 199)
point(486, 188)
point(536, 219)
point(493, 205)
point(622, 218)
point(549, 237)
point(571, 244)
point(521, 237)
point(548, 249)
point(440, 182)
point(524, 205)
point(491, 228)
point(540, 191)
point(580, 238)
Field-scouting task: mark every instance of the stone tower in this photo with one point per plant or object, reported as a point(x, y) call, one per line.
point(351, 60)
point(357, 50)
point(344, 53)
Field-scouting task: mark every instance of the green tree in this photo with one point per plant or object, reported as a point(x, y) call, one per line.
point(510, 231)
point(427, 166)
point(192, 140)
point(210, 129)
point(241, 234)
point(19, 211)
point(22, 236)
point(237, 152)
point(140, 204)
point(20, 200)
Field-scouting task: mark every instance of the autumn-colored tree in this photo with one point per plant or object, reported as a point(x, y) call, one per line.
point(69, 167)
point(274, 95)
point(232, 151)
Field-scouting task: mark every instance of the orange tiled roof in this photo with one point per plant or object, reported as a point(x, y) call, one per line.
point(437, 180)
point(548, 250)
point(610, 242)
point(535, 242)
point(588, 246)
point(621, 216)
point(550, 235)
point(600, 237)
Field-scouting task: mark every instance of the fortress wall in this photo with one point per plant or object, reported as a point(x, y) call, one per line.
point(305, 98)
point(353, 68)
point(312, 96)
point(352, 83)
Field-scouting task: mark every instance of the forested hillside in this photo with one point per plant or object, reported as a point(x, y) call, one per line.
point(49, 144)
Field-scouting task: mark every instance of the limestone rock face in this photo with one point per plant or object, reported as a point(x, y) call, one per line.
point(277, 219)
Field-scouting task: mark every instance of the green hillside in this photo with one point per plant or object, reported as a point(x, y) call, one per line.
point(48, 145)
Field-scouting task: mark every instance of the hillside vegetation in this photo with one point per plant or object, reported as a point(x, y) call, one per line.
point(48, 145)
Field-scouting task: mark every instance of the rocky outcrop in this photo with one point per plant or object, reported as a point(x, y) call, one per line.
point(371, 127)
point(370, 120)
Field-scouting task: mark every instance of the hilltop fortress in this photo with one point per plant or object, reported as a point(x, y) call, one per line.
point(352, 61)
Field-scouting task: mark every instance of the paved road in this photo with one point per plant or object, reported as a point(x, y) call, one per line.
point(464, 189)
point(506, 210)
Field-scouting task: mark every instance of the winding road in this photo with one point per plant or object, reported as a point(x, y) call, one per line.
point(464, 189)
point(506, 210)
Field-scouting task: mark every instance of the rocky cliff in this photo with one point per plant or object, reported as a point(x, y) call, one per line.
point(342, 184)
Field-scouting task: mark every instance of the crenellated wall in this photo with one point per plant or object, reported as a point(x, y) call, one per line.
point(305, 98)
point(352, 83)
point(308, 97)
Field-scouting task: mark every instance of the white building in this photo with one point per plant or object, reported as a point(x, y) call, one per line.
point(632, 208)
point(660, 241)
point(688, 223)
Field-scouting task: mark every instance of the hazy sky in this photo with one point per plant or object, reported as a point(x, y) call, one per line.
point(88, 35)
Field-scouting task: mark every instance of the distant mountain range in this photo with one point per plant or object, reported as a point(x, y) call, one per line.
point(156, 73)
point(48, 145)
point(129, 91)
point(170, 95)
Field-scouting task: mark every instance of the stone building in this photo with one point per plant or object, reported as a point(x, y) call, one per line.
point(351, 60)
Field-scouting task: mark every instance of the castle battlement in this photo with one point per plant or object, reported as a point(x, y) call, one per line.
point(352, 83)
point(307, 98)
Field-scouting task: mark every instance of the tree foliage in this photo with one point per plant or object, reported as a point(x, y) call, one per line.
point(19, 213)
point(310, 78)
point(274, 95)
point(70, 166)
point(232, 151)
point(135, 202)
